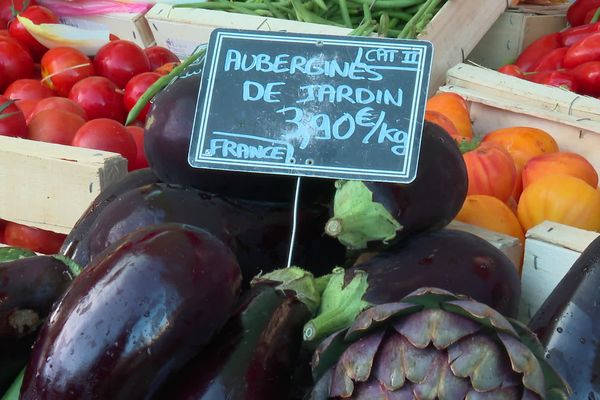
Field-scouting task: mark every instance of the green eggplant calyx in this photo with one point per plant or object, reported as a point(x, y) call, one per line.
point(15, 388)
point(74, 268)
point(340, 304)
point(302, 283)
point(358, 219)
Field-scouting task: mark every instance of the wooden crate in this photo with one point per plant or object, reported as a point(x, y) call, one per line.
point(452, 31)
point(49, 186)
point(550, 251)
point(127, 26)
point(516, 29)
point(501, 101)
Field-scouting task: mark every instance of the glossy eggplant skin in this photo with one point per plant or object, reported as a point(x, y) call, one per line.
point(143, 309)
point(457, 261)
point(32, 285)
point(568, 325)
point(253, 357)
point(132, 180)
point(28, 288)
point(257, 232)
point(167, 137)
point(438, 192)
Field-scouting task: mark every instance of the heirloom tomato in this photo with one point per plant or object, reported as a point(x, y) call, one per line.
point(560, 198)
point(490, 169)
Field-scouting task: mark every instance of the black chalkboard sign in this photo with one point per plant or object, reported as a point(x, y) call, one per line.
point(309, 105)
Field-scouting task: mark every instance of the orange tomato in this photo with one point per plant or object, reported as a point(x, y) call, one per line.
point(490, 213)
point(456, 109)
point(559, 163)
point(523, 143)
point(444, 122)
point(491, 171)
point(560, 198)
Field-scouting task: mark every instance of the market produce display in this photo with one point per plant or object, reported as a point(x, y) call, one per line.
point(188, 283)
point(518, 177)
point(122, 312)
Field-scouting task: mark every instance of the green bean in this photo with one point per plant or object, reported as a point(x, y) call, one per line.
point(384, 25)
point(321, 4)
point(390, 18)
point(160, 84)
point(391, 3)
point(345, 14)
point(404, 16)
point(367, 12)
point(410, 29)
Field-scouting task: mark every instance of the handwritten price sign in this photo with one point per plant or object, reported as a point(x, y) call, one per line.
point(334, 107)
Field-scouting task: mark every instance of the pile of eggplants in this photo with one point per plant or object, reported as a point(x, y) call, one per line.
point(173, 284)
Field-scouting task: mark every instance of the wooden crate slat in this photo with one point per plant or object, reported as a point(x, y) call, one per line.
point(48, 185)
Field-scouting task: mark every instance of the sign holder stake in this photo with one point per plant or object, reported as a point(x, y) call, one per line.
point(294, 222)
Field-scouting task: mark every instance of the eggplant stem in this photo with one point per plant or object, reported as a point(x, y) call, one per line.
point(358, 219)
point(340, 304)
point(333, 227)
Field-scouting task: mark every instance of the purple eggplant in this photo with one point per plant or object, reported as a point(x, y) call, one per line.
point(255, 355)
point(367, 212)
point(28, 288)
point(167, 137)
point(137, 314)
point(453, 260)
point(568, 325)
point(132, 180)
point(248, 228)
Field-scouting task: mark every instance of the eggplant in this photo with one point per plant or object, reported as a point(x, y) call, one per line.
point(136, 315)
point(255, 355)
point(130, 181)
point(167, 138)
point(367, 212)
point(568, 325)
point(456, 261)
point(28, 288)
point(257, 232)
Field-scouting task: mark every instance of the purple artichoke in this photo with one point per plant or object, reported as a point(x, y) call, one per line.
point(434, 345)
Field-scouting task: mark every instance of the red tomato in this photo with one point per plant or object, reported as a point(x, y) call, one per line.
point(159, 56)
point(34, 239)
point(138, 135)
point(27, 89)
point(7, 6)
point(15, 63)
point(37, 15)
point(62, 67)
point(12, 120)
point(54, 126)
point(4, 33)
point(512, 70)
point(109, 135)
point(121, 60)
point(59, 103)
point(135, 88)
point(99, 97)
point(26, 107)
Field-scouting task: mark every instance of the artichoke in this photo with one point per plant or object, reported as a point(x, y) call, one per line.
point(434, 345)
